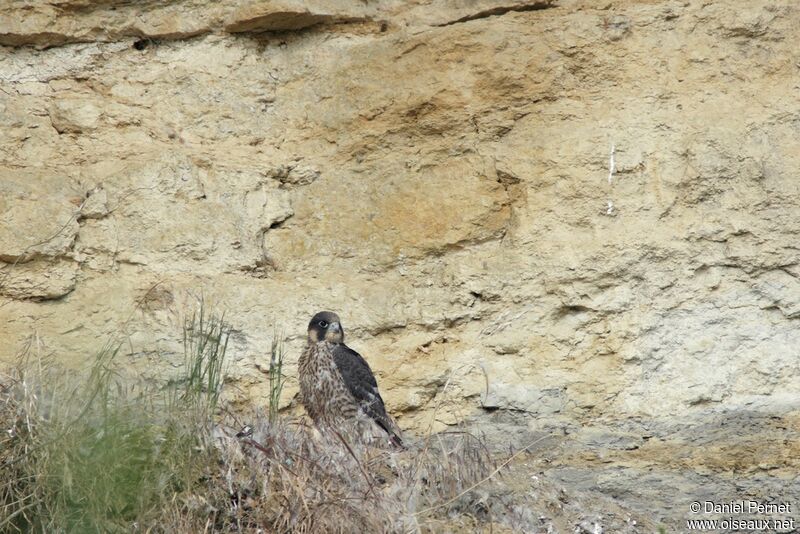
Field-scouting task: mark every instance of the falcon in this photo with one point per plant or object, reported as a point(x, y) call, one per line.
point(336, 384)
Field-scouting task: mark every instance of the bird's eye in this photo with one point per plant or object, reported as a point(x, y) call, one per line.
point(323, 324)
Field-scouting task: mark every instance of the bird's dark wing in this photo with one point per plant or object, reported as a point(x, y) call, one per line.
point(361, 382)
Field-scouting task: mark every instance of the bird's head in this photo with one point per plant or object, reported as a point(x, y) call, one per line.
point(325, 326)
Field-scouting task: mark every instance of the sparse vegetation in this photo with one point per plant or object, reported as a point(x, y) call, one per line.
point(276, 377)
point(95, 451)
point(205, 341)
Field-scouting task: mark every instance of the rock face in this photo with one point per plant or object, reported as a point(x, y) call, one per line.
point(570, 216)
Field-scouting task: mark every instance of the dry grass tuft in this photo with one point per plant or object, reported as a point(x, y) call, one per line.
point(286, 477)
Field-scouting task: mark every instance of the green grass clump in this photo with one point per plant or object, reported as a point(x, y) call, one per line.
point(205, 341)
point(93, 452)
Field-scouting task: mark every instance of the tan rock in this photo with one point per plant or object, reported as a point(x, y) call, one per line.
point(288, 15)
point(36, 219)
point(431, 211)
point(38, 280)
point(96, 204)
point(28, 22)
point(74, 116)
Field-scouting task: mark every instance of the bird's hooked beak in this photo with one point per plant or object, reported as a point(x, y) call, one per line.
point(335, 327)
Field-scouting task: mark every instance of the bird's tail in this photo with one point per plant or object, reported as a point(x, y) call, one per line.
point(395, 440)
point(390, 427)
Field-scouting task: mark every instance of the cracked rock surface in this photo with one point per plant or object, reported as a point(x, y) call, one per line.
point(438, 174)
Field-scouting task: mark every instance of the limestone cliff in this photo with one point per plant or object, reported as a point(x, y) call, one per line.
point(573, 217)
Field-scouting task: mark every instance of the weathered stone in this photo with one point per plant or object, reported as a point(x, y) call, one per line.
point(522, 398)
point(259, 18)
point(35, 219)
point(74, 116)
point(431, 211)
point(289, 15)
point(38, 280)
point(294, 174)
point(96, 204)
point(28, 22)
point(782, 289)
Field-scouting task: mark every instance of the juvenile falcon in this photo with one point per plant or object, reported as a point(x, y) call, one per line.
point(336, 384)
